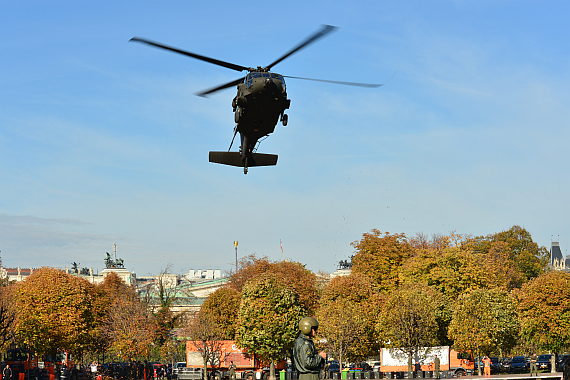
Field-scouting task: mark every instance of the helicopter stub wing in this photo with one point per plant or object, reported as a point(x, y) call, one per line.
point(234, 159)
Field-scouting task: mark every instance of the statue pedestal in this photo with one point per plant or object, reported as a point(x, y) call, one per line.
point(123, 274)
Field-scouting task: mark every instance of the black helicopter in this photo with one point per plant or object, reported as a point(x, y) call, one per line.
point(260, 103)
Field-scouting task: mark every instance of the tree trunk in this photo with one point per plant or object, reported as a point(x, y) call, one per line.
point(205, 367)
point(272, 370)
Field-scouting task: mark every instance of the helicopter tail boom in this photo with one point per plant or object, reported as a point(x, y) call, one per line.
point(234, 159)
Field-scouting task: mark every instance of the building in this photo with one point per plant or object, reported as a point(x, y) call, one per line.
point(557, 259)
point(189, 290)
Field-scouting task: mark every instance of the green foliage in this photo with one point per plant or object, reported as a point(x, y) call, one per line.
point(408, 320)
point(347, 317)
point(544, 308)
point(529, 259)
point(223, 306)
point(485, 321)
point(268, 317)
point(452, 271)
point(292, 274)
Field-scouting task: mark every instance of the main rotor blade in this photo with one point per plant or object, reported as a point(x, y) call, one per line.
point(227, 85)
point(197, 56)
point(370, 85)
point(324, 30)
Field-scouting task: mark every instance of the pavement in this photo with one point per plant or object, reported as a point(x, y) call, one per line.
point(517, 376)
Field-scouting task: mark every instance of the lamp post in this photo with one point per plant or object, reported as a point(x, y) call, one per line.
point(236, 245)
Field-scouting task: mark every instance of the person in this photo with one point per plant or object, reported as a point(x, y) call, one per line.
point(487, 365)
point(7, 373)
point(232, 368)
point(306, 358)
point(566, 368)
point(326, 370)
point(533, 368)
point(436, 363)
point(93, 366)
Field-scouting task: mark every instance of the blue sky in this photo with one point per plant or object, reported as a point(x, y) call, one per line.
point(104, 141)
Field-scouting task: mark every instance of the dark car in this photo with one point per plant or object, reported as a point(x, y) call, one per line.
point(334, 367)
point(543, 362)
point(506, 364)
point(495, 365)
point(519, 364)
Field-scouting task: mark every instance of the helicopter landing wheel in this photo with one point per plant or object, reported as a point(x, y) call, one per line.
point(284, 119)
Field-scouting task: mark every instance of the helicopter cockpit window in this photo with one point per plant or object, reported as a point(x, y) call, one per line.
point(250, 77)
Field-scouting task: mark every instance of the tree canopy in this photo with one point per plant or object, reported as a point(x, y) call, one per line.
point(55, 312)
point(293, 274)
point(347, 316)
point(485, 321)
point(268, 318)
point(380, 257)
point(544, 309)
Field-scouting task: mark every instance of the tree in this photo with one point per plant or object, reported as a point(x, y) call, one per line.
point(223, 306)
point(529, 259)
point(293, 274)
point(205, 338)
point(408, 320)
point(7, 313)
point(268, 318)
point(455, 268)
point(379, 257)
point(129, 327)
point(347, 317)
point(451, 270)
point(55, 312)
point(485, 321)
point(544, 309)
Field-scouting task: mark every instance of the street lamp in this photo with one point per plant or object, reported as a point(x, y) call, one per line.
point(236, 245)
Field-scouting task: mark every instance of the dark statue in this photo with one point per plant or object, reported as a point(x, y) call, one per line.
point(110, 263)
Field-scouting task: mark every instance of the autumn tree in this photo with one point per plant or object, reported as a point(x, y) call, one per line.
point(408, 319)
point(485, 321)
point(544, 310)
point(7, 313)
point(223, 306)
point(129, 327)
point(205, 337)
point(380, 257)
point(268, 318)
point(529, 259)
point(292, 274)
point(454, 268)
point(55, 312)
point(347, 317)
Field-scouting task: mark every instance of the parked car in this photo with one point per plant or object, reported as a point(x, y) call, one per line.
point(543, 362)
point(177, 367)
point(519, 364)
point(495, 365)
point(334, 366)
point(506, 364)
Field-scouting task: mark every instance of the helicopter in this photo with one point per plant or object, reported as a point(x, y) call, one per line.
point(260, 103)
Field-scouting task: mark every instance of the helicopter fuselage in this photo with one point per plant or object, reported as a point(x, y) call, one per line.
point(260, 103)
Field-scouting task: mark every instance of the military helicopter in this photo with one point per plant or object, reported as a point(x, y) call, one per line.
point(261, 102)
